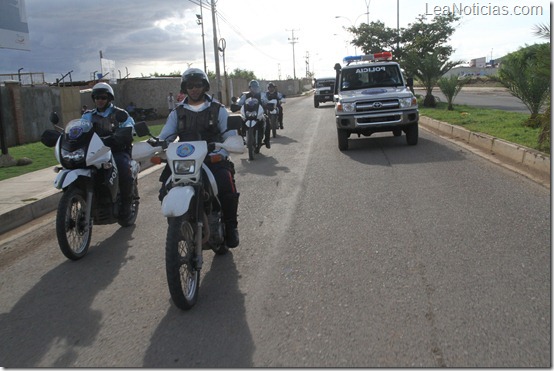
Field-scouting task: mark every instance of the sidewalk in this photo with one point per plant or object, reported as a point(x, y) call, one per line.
point(30, 196)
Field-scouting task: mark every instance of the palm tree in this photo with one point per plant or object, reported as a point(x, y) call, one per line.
point(450, 87)
point(428, 69)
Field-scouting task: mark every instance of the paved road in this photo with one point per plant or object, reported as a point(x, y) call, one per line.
point(386, 255)
point(497, 98)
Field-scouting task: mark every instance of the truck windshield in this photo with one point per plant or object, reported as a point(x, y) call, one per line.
point(325, 83)
point(370, 77)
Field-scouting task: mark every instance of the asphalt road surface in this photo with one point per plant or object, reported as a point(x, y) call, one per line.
point(386, 255)
point(486, 97)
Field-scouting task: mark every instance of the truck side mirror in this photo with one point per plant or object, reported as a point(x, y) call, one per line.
point(410, 82)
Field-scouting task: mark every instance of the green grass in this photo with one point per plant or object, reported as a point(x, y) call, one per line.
point(501, 124)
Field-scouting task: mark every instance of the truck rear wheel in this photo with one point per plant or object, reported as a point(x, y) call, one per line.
point(343, 139)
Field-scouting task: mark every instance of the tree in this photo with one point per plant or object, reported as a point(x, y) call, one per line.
point(426, 53)
point(242, 74)
point(374, 38)
point(422, 47)
point(450, 87)
point(526, 74)
point(428, 69)
point(543, 31)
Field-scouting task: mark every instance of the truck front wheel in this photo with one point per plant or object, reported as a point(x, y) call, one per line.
point(343, 139)
point(412, 134)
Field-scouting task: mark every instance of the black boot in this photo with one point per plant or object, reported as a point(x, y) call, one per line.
point(229, 206)
point(126, 193)
point(126, 206)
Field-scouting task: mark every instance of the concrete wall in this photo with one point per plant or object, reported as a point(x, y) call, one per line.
point(25, 110)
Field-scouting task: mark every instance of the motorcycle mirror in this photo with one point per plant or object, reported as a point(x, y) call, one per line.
point(234, 122)
point(142, 130)
point(54, 119)
point(121, 116)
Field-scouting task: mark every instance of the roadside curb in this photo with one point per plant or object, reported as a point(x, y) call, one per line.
point(48, 202)
point(529, 161)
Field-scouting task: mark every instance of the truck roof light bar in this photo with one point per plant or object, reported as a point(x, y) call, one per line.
point(382, 56)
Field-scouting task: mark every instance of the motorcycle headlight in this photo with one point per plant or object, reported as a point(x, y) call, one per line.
point(74, 156)
point(408, 102)
point(184, 167)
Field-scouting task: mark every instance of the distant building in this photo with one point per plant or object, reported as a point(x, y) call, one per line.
point(478, 62)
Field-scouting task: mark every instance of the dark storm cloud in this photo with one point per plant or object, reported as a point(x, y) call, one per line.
point(68, 35)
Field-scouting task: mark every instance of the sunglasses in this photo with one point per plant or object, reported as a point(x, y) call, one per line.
point(192, 85)
point(101, 97)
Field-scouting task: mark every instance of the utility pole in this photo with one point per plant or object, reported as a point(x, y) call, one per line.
point(307, 63)
point(216, 54)
point(293, 41)
point(200, 21)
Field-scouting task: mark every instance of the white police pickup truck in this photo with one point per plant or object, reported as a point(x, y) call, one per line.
point(372, 96)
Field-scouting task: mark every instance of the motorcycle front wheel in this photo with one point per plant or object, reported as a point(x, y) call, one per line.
point(183, 278)
point(274, 124)
point(250, 143)
point(73, 232)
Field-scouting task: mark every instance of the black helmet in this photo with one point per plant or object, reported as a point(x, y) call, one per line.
point(194, 73)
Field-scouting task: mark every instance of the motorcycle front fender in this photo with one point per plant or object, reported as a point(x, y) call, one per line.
point(250, 123)
point(66, 177)
point(177, 201)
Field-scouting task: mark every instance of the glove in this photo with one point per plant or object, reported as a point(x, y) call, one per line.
point(211, 147)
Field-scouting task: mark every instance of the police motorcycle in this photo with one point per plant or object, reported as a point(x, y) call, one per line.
point(191, 206)
point(273, 116)
point(253, 116)
point(89, 178)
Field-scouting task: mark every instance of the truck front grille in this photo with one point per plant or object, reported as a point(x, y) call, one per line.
point(377, 105)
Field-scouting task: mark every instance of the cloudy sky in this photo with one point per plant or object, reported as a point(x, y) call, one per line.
point(146, 36)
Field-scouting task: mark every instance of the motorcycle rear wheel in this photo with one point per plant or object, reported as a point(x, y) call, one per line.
point(72, 231)
point(183, 278)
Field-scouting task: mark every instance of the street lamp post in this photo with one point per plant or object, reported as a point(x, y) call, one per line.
point(222, 46)
point(353, 24)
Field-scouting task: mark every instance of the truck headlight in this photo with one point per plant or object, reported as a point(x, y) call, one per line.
point(408, 102)
point(75, 156)
point(346, 107)
point(184, 167)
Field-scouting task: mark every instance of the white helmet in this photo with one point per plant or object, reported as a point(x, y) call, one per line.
point(194, 73)
point(103, 87)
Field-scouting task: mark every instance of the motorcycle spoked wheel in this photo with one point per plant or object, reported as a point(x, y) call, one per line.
point(183, 278)
point(72, 231)
point(274, 124)
point(129, 221)
point(250, 143)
